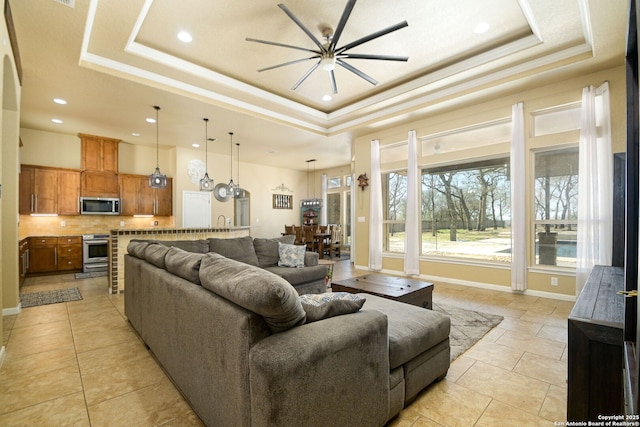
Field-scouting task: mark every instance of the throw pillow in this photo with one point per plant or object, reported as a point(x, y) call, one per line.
point(291, 255)
point(267, 249)
point(155, 253)
point(253, 288)
point(323, 306)
point(184, 264)
point(237, 248)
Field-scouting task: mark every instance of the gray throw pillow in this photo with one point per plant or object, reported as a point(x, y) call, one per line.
point(137, 248)
point(267, 249)
point(253, 288)
point(322, 306)
point(238, 248)
point(154, 253)
point(197, 246)
point(291, 255)
point(184, 264)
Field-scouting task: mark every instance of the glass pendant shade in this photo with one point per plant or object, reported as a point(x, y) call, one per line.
point(231, 187)
point(157, 179)
point(206, 183)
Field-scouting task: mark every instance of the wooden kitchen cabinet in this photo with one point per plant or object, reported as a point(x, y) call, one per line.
point(68, 192)
point(23, 260)
point(38, 190)
point(52, 254)
point(137, 198)
point(99, 184)
point(43, 254)
point(99, 154)
point(69, 253)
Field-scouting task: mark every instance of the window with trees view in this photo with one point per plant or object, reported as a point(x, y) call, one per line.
point(556, 207)
point(466, 211)
point(394, 200)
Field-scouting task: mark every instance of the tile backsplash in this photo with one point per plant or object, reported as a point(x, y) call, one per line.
point(86, 224)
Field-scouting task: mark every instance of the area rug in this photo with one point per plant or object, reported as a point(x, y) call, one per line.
point(55, 296)
point(467, 327)
point(91, 274)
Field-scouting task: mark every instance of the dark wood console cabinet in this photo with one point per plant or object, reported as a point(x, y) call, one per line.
point(595, 347)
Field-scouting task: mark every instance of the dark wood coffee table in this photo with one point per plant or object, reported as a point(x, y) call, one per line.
point(401, 289)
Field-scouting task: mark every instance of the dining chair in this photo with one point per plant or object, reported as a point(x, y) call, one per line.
point(336, 237)
point(310, 240)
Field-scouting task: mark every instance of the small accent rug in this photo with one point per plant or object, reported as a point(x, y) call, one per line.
point(467, 327)
point(55, 296)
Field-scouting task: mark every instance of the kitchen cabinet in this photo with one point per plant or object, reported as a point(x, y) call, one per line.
point(137, 198)
point(69, 253)
point(98, 153)
point(68, 192)
point(51, 254)
point(99, 184)
point(45, 190)
point(23, 260)
point(38, 190)
point(43, 254)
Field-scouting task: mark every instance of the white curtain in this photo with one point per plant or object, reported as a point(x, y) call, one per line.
point(518, 203)
point(375, 209)
point(595, 178)
point(323, 209)
point(412, 216)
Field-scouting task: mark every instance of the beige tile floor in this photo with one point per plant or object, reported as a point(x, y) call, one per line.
point(80, 364)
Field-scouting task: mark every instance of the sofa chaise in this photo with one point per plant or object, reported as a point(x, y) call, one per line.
point(244, 350)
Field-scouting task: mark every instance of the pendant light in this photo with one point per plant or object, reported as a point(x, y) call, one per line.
point(206, 183)
point(157, 179)
point(231, 187)
point(239, 191)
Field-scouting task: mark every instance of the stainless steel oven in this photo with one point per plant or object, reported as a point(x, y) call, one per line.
point(95, 255)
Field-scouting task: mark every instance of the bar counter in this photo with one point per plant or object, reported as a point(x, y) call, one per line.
point(120, 238)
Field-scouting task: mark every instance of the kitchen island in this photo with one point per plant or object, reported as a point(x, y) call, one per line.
point(119, 240)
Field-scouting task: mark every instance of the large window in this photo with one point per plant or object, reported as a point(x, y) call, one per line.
point(556, 207)
point(466, 211)
point(394, 200)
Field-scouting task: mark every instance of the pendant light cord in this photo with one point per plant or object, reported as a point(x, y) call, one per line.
point(157, 137)
point(206, 145)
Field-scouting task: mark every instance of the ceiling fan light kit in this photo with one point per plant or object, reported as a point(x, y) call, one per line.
point(328, 54)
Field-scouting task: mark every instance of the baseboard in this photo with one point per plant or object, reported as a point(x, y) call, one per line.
point(12, 310)
point(480, 285)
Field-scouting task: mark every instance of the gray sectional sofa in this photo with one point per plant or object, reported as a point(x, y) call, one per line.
point(262, 253)
point(237, 342)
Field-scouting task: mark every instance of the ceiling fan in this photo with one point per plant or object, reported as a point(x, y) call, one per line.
point(328, 54)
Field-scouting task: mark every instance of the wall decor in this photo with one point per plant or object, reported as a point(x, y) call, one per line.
point(282, 201)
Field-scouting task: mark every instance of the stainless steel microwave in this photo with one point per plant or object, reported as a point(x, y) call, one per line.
point(99, 206)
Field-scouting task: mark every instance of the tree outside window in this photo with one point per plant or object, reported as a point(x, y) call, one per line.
point(556, 207)
point(466, 211)
point(394, 199)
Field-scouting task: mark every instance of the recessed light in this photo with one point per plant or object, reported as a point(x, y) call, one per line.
point(60, 101)
point(327, 98)
point(481, 28)
point(58, 121)
point(195, 145)
point(150, 120)
point(135, 134)
point(185, 37)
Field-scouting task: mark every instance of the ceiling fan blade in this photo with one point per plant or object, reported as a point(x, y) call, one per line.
point(302, 26)
point(332, 79)
point(307, 74)
point(343, 21)
point(249, 39)
point(357, 72)
point(288, 63)
point(379, 57)
point(372, 36)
